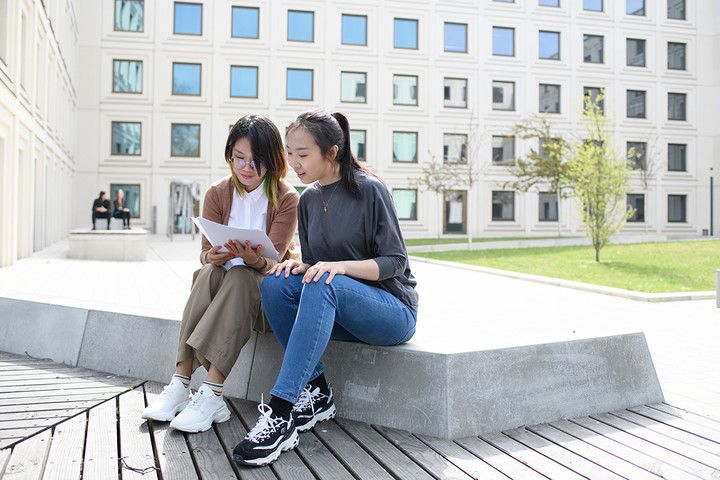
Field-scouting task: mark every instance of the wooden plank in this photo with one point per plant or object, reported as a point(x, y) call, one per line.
point(209, 455)
point(73, 395)
point(535, 460)
point(496, 458)
point(349, 453)
point(31, 423)
point(319, 459)
point(66, 452)
point(4, 458)
point(664, 462)
point(29, 404)
point(428, 459)
point(11, 437)
point(48, 407)
point(464, 460)
point(42, 392)
point(173, 453)
point(679, 423)
point(592, 453)
point(101, 448)
point(136, 452)
point(52, 384)
point(382, 450)
point(60, 415)
point(28, 457)
point(289, 465)
point(698, 419)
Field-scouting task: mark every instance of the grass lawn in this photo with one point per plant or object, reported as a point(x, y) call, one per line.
point(443, 241)
point(644, 267)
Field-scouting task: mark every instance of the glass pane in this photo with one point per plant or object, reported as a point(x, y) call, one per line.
point(635, 52)
point(244, 82)
point(455, 37)
point(454, 148)
point(352, 88)
point(549, 45)
point(635, 7)
point(405, 33)
point(676, 106)
point(594, 93)
point(548, 207)
point(503, 149)
point(300, 26)
point(676, 56)
point(503, 95)
point(405, 147)
point(593, 49)
point(188, 19)
point(503, 41)
point(637, 202)
point(676, 9)
point(357, 144)
point(549, 98)
point(354, 30)
point(676, 208)
point(454, 212)
point(131, 194)
point(404, 90)
point(125, 138)
point(127, 76)
point(549, 3)
point(594, 5)
point(636, 155)
point(185, 140)
point(455, 92)
point(245, 22)
point(676, 157)
point(186, 79)
point(405, 203)
point(636, 103)
point(299, 84)
point(129, 15)
point(503, 205)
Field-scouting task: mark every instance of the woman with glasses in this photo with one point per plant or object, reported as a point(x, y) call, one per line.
point(224, 304)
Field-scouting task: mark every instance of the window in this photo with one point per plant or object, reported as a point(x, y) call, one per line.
point(549, 3)
point(676, 9)
point(635, 7)
point(549, 98)
point(354, 29)
point(593, 5)
point(548, 207)
point(455, 93)
point(405, 33)
point(505, 1)
point(299, 84)
point(676, 106)
point(637, 155)
point(549, 45)
point(677, 157)
point(635, 52)
point(405, 90)
point(676, 208)
point(4, 31)
point(503, 206)
point(405, 147)
point(503, 149)
point(131, 192)
point(455, 211)
point(300, 26)
point(595, 97)
point(455, 37)
point(503, 95)
point(676, 56)
point(454, 148)
point(503, 41)
point(547, 146)
point(125, 138)
point(243, 81)
point(405, 203)
point(127, 76)
point(636, 104)
point(593, 48)
point(357, 144)
point(129, 15)
point(245, 22)
point(188, 18)
point(352, 88)
point(636, 201)
point(185, 140)
point(186, 79)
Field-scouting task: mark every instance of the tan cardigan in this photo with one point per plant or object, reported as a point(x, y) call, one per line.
point(281, 221)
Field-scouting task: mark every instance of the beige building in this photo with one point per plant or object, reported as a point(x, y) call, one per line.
point(159, 83)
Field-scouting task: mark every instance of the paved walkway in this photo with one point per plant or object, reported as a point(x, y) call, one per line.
point(460, 310)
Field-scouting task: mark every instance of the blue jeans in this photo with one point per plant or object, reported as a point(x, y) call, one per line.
point(305, 317)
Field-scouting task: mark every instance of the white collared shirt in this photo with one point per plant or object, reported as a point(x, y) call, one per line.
point(248, 211)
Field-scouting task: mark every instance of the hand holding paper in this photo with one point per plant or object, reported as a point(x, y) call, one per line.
point(218, 234)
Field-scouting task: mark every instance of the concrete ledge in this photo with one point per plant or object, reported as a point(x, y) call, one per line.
point(127, 245)
point(444, 395)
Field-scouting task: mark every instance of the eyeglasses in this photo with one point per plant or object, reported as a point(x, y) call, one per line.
point(241, 163)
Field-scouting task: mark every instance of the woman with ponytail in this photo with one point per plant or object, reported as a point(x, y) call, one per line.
point(224, 304)
point(353, 283)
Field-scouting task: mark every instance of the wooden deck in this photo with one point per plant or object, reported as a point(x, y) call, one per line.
point(58, 422)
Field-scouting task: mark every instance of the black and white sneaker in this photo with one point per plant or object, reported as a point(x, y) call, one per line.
point(270, 437)
point(313, 407)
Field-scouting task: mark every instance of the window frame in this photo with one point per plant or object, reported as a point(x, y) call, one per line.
point(463, 195)
point(494, 218)
point(257, 81)
point(627, 103)
point(232, 21)
point(684, 209)
point(364, 132)
point(512, 32)
point(199, 137)
point(312, 33)
point(112, 139)
point(465, 35)
point(511, 142)
point(342, 28)
point(415, 209)
point(684, 56)
point(677, 95)
point(557, 37)
point(415, 157)
point(312, 84)
point(601, 9)
point(559, 96)
point(115, 19)
point(417, 89)
point(627, 52)
point(596, 91)
point(365, 83)
point(684, 157)
point(494, 103)
point(123, 186)
point(633, 218)
point(586, 37)
point(638, 162)
point(554, 197)
point(684, 10)
point(463, 156)
point(635, 14)
point(445, 100)
point(416, 22)
point(199, 87)
point(175, 5)
point(142, 73)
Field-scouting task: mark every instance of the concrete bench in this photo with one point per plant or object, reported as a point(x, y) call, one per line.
point(448, 395)
point(88, 244)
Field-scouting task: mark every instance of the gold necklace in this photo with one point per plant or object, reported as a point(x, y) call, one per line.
point(331, 195)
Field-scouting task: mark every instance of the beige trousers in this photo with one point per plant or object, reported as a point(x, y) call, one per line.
point(223, 308)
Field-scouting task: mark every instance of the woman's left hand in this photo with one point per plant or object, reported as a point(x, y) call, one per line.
point(243, 250)
point(315, 272)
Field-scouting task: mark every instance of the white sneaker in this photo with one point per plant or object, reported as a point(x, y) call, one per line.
point(172, 400)
point(205, 409)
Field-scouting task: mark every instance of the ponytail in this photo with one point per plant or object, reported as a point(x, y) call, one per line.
point(345, 157)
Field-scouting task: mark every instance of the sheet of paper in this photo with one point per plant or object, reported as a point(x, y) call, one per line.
point(219, 234)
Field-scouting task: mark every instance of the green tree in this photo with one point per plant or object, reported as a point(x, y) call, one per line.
point(599, 177)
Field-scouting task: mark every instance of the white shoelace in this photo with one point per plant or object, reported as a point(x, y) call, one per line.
point(265, 426)
point(306, 400)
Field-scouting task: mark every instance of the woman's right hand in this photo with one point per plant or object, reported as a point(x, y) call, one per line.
point(217, 258)
point(289, 266)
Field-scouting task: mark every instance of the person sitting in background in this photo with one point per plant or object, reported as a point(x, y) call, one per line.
point(120, 211)
point(101, 209)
